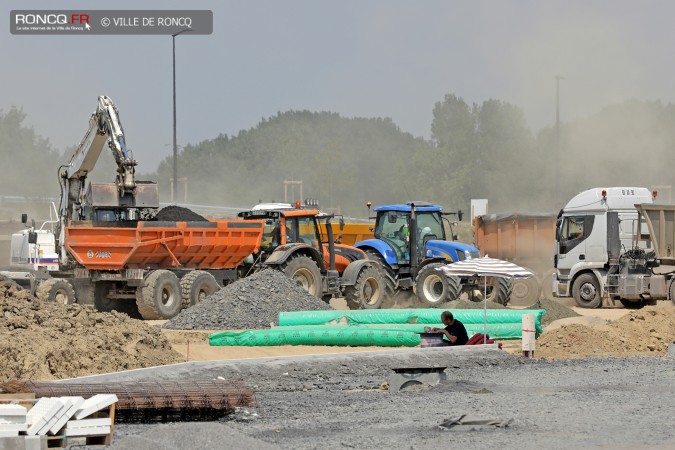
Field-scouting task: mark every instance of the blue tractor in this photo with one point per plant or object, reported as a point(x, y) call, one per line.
point(410, 244)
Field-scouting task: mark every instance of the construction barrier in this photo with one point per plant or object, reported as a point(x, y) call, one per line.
point(320, 335)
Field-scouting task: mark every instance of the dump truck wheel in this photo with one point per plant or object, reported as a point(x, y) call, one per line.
point(500, 291)
point(367, 292)
point(101, 300)
point(196, 286)
point(304, 271)
point(586, 291)
point(432, 285)
point(632, 304)
point(525, 292)
point(84, 292)
point(57, 291)
point(159, 297)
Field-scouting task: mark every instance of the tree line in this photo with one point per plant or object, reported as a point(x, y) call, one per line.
point(481, 150)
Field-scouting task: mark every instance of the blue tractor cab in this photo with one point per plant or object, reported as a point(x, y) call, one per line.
point(410, 243)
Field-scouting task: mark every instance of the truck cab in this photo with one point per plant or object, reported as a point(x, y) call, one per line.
point(592, 231)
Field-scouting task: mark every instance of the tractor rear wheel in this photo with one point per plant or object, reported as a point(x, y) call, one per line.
point(499, 290)
point(304, 271)
point(159, 297)
point(432, 285)
point(56, 290)
point(196, 286)
point(367, 292)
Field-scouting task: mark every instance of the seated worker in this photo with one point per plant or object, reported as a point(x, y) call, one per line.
point(454, 330)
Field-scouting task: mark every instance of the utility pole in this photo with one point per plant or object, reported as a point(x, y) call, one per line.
point(557, 135)
point(175, 146)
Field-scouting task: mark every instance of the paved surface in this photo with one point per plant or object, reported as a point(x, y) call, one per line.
point(337, 401)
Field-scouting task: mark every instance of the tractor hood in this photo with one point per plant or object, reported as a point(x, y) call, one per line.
point(452, 251)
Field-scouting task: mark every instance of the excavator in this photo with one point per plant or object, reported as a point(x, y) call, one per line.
point(102, 249)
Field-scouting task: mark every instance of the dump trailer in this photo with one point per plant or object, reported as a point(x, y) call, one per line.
point(615, 244)
point(349, 233)
point(524, 239)
point(154, 266)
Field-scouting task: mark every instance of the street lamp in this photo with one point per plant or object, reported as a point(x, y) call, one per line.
point(557, 133)
point(175, 146)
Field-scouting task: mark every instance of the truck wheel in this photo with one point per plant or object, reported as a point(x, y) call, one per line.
point(500, 291)
point(304, 271)
point(196, 286)
point(671, 292)
point(367, 292)
point(586, 291)
point(632, 304)
point(387, 274)
point(525, 292)
point(56, 290)
point(159, 297)
point(432, 285)
point(84, 292)
point(101, 300)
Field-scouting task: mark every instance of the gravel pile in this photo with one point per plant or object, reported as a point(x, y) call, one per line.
point(252, 302)
point(178, 214)
point(554, 310)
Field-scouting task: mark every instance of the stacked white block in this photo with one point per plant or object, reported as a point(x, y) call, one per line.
point(41, 413)
point(75, 404)
point(88, 427)
point(12, 420)
point(95, 403)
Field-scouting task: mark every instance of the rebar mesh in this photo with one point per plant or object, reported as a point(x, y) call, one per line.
point(151, 400)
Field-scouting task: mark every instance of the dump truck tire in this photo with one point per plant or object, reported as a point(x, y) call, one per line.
point(159, 297)
point(586, 291)
point(431, 286)
point(196, 286)
point(84, 292)
point(304, 271)
point(57, 291)
point(632, 304)
point(501, 291)
point(368, 290)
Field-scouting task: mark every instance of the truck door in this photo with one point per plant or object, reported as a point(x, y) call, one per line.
point(572, 240)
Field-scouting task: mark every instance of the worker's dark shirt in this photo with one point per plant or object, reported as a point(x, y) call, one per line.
point(457, 329)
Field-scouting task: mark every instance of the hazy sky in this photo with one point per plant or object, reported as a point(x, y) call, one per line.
point(368, 58)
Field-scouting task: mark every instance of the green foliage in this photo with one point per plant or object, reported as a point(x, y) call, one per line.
point(29, 162)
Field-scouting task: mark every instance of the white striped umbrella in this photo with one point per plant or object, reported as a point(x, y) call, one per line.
point(485, 267)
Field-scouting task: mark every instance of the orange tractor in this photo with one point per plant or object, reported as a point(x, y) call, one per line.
point(295, 243)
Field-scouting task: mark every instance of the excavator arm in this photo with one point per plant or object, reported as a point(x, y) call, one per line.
point(104, 126)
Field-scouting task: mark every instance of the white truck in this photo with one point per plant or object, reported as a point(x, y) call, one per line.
point(615, 244)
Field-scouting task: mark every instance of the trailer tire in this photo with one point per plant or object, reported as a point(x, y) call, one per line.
point(586, 291)
point(84, 292)
point(101, 300)
point(632, 304)
point(501, 291)
point(56, 290)
point(431, 285)
point(304, 271)
point(671, 292)
point(159, 296)
point(368, 290)
point(196, 286)
point(525, 292)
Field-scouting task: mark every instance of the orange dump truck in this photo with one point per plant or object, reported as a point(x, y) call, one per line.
point(158, 267)
point(524, 239)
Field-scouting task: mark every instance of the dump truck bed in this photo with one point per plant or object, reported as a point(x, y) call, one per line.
point(660, 220)
point(218, 244)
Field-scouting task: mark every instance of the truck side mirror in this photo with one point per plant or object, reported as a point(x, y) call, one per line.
point(342, 223)
point(460, 214)
point(32, 237)
point(24, 218)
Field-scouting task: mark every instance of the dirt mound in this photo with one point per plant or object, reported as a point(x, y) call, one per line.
point(468, 304)
point(178, 214)
point(554, 310)
point(45, 341)
point(252, 302)
point(648, 331)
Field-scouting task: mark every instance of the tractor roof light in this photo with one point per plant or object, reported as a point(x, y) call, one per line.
point(604, 194)
point(654, 194)
point(297, 204)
